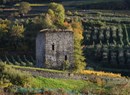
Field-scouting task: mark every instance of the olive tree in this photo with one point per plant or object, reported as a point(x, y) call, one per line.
point(16, 34)
point(24, 8)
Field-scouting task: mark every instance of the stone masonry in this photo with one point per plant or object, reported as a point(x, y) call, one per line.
point(54, 47)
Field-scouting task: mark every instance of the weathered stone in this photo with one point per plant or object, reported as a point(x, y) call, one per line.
point(53, 47)
point(75, 76)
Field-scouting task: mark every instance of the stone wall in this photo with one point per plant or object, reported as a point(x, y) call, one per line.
point(53, 48)
point(63, 46)
point(40, 50)
point(75, 76)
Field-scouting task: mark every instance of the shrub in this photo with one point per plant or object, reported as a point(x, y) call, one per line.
point(100, 82)
point(69, 13)
point(24, 8)
point(16, 77)
point(66, 65)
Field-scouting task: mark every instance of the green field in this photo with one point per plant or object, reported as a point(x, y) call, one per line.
point(68, 84)
point(80, 86)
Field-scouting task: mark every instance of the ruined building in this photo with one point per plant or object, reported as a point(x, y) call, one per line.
point(54, 47)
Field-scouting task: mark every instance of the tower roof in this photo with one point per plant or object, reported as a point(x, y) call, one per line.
point(56, 30)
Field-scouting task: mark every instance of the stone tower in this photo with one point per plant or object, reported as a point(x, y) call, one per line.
point(54, 47)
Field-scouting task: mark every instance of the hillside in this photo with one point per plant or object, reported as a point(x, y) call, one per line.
point(22, 82)
point(92, 60)
point(81, 4)
point(99, 4)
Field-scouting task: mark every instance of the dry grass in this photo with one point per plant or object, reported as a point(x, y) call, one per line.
point(100, 73)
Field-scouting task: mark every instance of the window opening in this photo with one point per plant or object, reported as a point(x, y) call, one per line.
point(66, 57)
point(53, 46)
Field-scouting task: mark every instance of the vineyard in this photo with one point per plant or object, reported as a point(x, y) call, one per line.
point(18, 60)
point(109, 44)
point(106, 39)
point(94, 60)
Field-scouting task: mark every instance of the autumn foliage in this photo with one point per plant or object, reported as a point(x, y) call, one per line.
point(101, 73)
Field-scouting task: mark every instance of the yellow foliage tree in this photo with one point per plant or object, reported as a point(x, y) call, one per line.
point(79, 60)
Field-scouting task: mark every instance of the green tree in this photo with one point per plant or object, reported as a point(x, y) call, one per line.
point(54, 18)
point(57, 12)
point(16, 34)
point(17, 30)
point(4, 27)
point(47, 22)
point(24, 8)
point(51, 13)
point(79, 60)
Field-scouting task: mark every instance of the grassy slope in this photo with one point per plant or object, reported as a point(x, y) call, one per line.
point(87, 72)
point(93, 85)
point(68, 84)
point(33, 68)
point(81, 86)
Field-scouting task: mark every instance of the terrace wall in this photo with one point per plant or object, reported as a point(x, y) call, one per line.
point(75, 76)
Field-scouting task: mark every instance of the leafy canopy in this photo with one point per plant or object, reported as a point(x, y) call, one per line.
point(79, 59)
point(24, 8)
point(55, 16)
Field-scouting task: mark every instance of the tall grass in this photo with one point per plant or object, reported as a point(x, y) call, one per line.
point(67, 84)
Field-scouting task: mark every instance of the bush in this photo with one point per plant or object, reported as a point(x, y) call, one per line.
point(16, 77)
point(24, 8)
point(66, 65)
point(69, 13)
